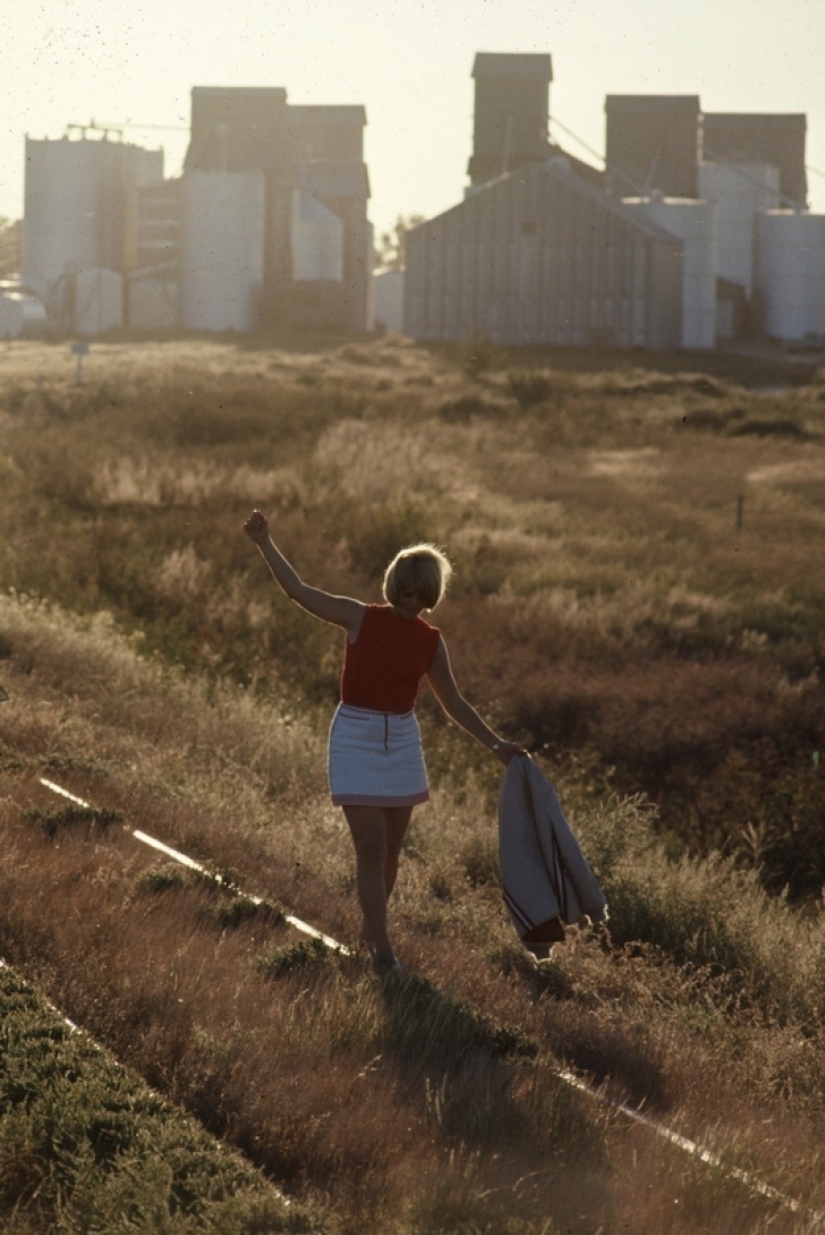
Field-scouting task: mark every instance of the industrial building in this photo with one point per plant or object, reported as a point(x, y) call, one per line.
point(266, 227)
point(695, 232)
point(76, 225)
point(542, 256)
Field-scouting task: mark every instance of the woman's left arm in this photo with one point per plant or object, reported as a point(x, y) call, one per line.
point(445, 689)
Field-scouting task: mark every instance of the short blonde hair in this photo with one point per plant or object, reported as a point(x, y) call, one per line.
point(421, 566)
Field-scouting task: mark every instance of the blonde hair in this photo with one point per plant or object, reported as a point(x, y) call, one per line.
point(421, 566)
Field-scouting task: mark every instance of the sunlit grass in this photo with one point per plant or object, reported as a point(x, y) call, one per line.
point(439, 1095)
point(607, 609)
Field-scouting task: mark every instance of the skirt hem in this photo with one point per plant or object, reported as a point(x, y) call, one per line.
point(367, 799)
point(375, 759)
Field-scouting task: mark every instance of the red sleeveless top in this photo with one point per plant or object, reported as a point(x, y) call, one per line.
point(384, 667)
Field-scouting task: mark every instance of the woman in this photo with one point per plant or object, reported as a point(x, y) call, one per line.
point(376, 765)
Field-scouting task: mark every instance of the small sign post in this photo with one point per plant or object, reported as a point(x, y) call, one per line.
point(79, 350)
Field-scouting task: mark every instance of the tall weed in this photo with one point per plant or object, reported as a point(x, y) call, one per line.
point(603, 595)
point(391, 1100)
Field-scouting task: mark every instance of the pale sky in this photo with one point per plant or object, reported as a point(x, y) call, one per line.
point(408, 61)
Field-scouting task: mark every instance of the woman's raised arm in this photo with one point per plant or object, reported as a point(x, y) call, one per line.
point(339, 610)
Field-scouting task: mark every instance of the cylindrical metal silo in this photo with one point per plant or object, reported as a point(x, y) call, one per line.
point(790, 274)
point(77, 198)
point(738, 190)
point(222, 250)
point(62, 226)
point(694, 223)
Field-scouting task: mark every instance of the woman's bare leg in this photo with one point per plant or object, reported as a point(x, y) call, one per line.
point(395, 821)
point(369, 836)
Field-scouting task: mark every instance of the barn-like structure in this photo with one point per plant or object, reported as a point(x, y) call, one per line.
point(695, 231)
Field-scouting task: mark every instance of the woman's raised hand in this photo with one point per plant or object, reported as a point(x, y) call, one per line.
point(257, 528)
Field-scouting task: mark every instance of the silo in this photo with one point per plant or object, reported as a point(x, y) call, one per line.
point(789, 278)
point(222, 250)
point(62, 223)
point(694, 223)
point(739, 191)
point(77, 197)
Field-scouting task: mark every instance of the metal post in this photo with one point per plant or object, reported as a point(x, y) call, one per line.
point(79, 350)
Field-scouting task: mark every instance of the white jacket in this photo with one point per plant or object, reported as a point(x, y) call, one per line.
point(544, 873)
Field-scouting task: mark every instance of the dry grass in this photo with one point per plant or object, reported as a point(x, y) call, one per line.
point(606, 609)
point(435, 1102)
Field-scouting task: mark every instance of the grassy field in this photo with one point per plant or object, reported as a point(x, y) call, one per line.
point(84, 1145)
point(607, 603)
point(661, 660)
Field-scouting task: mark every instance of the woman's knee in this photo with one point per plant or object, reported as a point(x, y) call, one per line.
point(368, 835)
point(396, 822)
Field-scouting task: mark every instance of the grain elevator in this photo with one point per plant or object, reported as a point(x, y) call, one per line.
point(695, 231)
point(266, 227)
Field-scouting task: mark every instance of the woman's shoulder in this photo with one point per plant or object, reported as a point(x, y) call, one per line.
point(374, 612)
point(429, 635)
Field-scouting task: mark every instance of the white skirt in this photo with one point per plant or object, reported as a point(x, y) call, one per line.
point(375, 759)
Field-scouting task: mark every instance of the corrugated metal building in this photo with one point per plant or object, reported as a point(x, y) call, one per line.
point(542, 256)
point(547, 250)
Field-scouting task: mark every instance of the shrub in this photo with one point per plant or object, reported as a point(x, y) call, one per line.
point(376, 532)
point(479, 355)
point(712, 915)
point(84, 1145)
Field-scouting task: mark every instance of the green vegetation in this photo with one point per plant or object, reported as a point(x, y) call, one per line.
point(85, 1145)
point(663, 664)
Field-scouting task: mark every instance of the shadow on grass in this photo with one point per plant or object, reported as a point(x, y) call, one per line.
point(423, 1022)
point(601, 1052)
point(56, 819)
